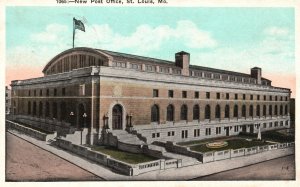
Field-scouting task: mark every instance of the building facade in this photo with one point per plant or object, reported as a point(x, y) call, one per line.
point(161, 100)
point(7, 100)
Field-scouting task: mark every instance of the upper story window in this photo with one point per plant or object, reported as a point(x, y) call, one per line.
point(29, 92)
point(227, 95)
point(119, 64)
point(236, 96)
point(265, 97)
point(177, 71)
point(246, 80)
point(82, 89)
point(224, 77)
point(150, 68)
point(34, 92)
point(244, 96)
point(198, 73)
point(251, 97)
point(184, 94)
point(207, 95)
point(217, 76)
point(163, 69)
point(47, 92)
point(232, 78)
point(196, 95)
point(258, 97)
point(136, 66)
point(239, 79)
point(218, 95)
point(171, 93)
point(92, 61)
point(276, 98)
point(41, 92)
point(155, 92)
point(207, 75)
point(55, 92)
point(82, 59)
point(63, 91)
point(270, 98)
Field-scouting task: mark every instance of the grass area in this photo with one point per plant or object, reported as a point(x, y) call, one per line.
point(131, 158)
point(277, 137)
point(232, 144)
point(202, 141)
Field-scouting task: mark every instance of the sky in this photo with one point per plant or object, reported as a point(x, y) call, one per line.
point(235, 39)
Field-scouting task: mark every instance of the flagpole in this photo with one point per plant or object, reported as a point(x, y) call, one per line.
point(73, 32)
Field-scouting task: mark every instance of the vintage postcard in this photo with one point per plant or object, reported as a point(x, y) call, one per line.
point(150, 90)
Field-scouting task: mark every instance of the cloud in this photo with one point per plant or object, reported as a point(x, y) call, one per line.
point(146, 38)
point(53, 33)
point(276, 31)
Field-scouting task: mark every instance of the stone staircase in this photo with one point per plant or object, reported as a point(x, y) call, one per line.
point(186, 161)
point(125, 137)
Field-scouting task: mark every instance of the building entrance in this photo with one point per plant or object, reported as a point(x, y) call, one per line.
point(117, 117)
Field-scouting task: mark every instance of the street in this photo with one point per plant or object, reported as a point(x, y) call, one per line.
point(27, 162)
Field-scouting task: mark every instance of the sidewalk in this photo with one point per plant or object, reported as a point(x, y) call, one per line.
point(184, 173)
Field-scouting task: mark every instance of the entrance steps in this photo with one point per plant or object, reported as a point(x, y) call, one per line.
point(125, 137)
point(186, 161)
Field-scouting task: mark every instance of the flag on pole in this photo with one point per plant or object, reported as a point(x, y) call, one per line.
point(77, 24)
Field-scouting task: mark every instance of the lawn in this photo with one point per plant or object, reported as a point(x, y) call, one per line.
point(277, 137)
point(131, 158)
point(232, 144)
point(200, 141)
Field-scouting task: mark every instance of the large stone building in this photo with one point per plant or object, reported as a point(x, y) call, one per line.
point(7, 100)
point(162, 100)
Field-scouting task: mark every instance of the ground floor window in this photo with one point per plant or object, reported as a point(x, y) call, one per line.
point(236, 128)
point(218, 130)
point(207, 131)
point(184, 134)
point(196, 132)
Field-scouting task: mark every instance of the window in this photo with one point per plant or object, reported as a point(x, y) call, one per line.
point(40, 109)
point(227, 96)
point(34, 108)
point(41, 92)
point(218, 95)
point(265, 125)
point(218, 130)
point(154, 113)
point(270, 124)
point(276, 110)
point(196, 132)
point(150, 68)
point(244, 111)
point(244, 96)
point(286, 110)
point(29, 93)
point(235, 111)
point(54, 110)
point(171, 93)
point(207, 131)
point(270, 98)
point(47, 92)
point(251, 111)
point(82, 89)
point(276, 98)
point(184, 94)
point(251, 97)
point(264, 110)
point(170, 113)
point(258, 97)
point(29, 108)
point(236, 96)
point(34, 92)
point(265, 97)
point(183, 112)
point(217, 112)
point(153, 135)
point(196, 112)
point(55, 92)
point(207, 112)
point(184, 134)
point(281, 98)
point(270, 110)
point(227, 111)
point(63, 91)
point(196, 95)
point(47, 112)
point(155, 92)
point(171, 133)
point(207, 95)
point(236, 128)
point(158, 135)
point(258, 110)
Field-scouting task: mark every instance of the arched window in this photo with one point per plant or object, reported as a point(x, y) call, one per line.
point(264, 110)
point(40, 109)
point(54, 110)
point(251, 110)
point(217, 111)
point(34, 108)
point(170, 113)
point(154, 113)
point(258, 110)
point(47, 112)
point(270, 110)
point(236, 111)
point(29, 108)
point(227, 110)
point(286, 109)
point(276, 110)
point(183, 112)
point(207, 112)
point(244, 111)
point(63, 111)
point(196, 112)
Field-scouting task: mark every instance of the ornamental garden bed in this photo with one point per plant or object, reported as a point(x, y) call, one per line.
point(232, 144)
point(131, 158)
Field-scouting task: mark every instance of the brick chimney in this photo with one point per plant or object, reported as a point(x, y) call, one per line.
point(182, 60)
point(256, 73)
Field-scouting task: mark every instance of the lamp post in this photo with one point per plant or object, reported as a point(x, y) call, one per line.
point(105, 119)
point(71, 117)
point(84, 119)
